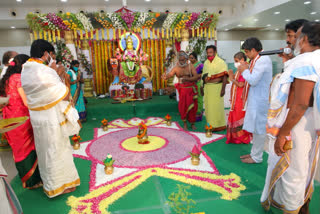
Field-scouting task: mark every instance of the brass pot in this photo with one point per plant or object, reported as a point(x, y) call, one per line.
point(76, 145)
point(169, 123)
point(195, 161)
point(108, 170)
point(208, 133)
point(105, 128)
point(143, 140)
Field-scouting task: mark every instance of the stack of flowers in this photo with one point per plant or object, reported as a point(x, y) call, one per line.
point(178, 21)
point(104, 20)
point(45, 22)
point(34, 22)
point(84, 21)
point(141, 20)
point(57, 21)
point(169, 20)
point(192, 19)
point(108, 161)
point(196, 151)
point(116, 20)
point(200, 20)
point(71, 21)
point(128, 18)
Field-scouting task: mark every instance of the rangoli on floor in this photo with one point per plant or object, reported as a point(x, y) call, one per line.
point(166, 156)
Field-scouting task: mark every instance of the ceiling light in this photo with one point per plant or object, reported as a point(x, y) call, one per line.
point(19, 0)
point(268, 25)
point(106, 0)
point(287, 20)
point(256, 20)
point(13, 27)
point(277, 29)
point(312, 13)
point(64, 0)
point(147, 0)
point(226, 29)
point(317, 20)
point(239, 25)
point(307, 2)
point(186, 0)
point(276, 13)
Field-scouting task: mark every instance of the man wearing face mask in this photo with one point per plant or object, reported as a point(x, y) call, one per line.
point(53, 120)
point(187, 88)
point(293, 127)
point(258, 77)
point(214, 79)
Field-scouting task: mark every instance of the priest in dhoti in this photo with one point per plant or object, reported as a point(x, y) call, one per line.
point(53, 120)
point(214, 77)
point(258, 77)
point(293, 127)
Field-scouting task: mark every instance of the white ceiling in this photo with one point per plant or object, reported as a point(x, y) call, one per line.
point(235, 12)
point(294, 9)
point(167, 3)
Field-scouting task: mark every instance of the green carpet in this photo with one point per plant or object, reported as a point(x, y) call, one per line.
point(150, 197)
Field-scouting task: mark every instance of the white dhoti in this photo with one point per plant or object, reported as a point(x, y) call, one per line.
point(53, 121)
point(293, 183)
point(55, 159)
point(289, 180)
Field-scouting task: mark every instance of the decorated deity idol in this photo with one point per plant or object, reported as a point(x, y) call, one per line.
point(128, 69)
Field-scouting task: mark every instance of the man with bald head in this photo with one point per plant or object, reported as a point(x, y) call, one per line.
point(6, 59)
point(187, 88)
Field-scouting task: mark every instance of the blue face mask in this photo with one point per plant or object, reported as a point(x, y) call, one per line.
point(75, 68)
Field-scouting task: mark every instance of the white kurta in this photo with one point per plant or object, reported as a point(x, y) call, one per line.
point(45, 91)
point(258, 98)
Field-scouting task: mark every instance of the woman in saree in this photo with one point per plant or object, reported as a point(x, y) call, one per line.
point(76, 91)
point(193, 58)
point(20, 139)
point(235, 133)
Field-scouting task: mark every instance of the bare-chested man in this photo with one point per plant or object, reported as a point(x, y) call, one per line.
point(187, 88)
point(293, 126)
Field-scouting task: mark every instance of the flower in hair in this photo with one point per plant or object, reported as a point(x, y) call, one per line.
point(12, 63)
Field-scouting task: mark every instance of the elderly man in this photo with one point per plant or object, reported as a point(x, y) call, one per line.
point(293, 127)
point(187, 88)
point(256, 96)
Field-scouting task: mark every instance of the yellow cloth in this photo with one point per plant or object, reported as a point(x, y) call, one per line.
point(214, 103)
